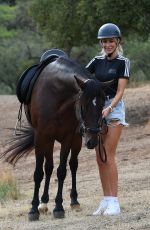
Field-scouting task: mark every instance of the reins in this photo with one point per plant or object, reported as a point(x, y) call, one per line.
point(100, 132)
point(101, 147)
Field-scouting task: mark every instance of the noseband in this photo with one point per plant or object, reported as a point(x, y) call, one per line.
point(99, 130)
point(86, 129)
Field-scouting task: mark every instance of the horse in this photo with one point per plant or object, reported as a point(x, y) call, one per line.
point(66, 104)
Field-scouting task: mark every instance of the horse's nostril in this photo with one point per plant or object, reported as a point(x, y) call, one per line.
point(91, 144)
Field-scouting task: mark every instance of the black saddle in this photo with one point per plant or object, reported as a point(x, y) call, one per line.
point(27, 80)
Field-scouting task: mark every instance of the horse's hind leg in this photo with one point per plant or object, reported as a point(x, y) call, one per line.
point(75, 149)
point(38, 176)
point(48, 172)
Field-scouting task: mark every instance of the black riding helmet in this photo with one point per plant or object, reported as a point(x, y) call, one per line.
point(109, 30)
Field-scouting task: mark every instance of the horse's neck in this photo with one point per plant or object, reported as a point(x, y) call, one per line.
point(67, 104)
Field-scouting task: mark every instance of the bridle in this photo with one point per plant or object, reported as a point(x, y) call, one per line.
point(100, 130)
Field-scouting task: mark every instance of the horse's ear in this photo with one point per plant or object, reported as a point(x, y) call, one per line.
point(80, 81)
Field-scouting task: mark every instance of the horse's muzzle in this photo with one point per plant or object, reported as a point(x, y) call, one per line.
point(91, 143)
point(91, 136)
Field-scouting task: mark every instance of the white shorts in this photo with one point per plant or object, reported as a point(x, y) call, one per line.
point(117, 114)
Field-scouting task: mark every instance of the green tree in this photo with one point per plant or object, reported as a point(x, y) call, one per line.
point(69, 23)
point(9, 2)
point(66, 23)
point(132, 16)
point(20, 45)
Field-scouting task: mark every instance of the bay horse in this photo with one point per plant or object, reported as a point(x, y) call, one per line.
point(65, 100)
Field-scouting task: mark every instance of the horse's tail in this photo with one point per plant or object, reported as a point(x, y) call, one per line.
point(20, 145)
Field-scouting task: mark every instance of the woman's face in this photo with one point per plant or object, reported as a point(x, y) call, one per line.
point(109, 45)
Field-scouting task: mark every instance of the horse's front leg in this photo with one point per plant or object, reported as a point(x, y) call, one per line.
point(38, 176)
point(75, 149)
point(59, 211)
point(48, 172)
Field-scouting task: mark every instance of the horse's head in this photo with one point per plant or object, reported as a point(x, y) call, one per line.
point(89, 110)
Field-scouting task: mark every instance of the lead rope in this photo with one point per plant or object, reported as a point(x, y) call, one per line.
point(101, 147)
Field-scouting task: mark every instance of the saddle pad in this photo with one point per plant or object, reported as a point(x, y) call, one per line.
point(27, 80)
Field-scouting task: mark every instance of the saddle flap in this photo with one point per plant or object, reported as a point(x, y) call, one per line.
point(24, 82)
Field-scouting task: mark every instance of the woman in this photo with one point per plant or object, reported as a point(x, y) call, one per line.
point(111, 65)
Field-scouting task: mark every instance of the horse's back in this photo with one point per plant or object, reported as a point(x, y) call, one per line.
point(57, 80)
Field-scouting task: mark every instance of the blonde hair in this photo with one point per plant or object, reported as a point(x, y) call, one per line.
point(119, 49)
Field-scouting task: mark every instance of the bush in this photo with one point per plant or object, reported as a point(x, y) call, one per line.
point(8, 187)
point(138, 53)
point(5, 89)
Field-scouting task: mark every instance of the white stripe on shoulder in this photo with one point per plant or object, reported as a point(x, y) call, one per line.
point(120, 57)
point(90, 63)
point(96, 57)
point(127, 65)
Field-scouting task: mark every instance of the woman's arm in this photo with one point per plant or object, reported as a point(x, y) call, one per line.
point(122, 83)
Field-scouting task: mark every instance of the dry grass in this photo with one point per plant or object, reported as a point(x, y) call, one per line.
point(8, 187)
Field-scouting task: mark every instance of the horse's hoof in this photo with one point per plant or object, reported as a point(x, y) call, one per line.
point(33, 215)
point(75, 206)
point(43, 208)
point(59, 214)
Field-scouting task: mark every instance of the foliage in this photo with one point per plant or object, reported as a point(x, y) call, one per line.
point(4, 33)
point(8, 187)
point(59, 21)
point(28, 28)
point(138, 52)
point(9, 2)
point(7, 13)
point(22, 53)
point(23, 20)
point(131, 16)
point(71, 23)
point(20, 45)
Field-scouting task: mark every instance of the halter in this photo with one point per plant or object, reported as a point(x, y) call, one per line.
point(99, 130)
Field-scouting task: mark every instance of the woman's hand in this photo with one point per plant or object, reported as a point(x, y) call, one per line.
point(106, 111)
point(121, 87)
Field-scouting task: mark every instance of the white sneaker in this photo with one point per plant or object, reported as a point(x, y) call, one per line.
point(101, 208)
point(113, 209)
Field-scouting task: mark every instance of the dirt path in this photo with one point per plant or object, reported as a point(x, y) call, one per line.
point(133, 160)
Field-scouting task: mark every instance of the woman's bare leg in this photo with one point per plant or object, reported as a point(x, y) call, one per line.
point(109, 174)
point(108, 171)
